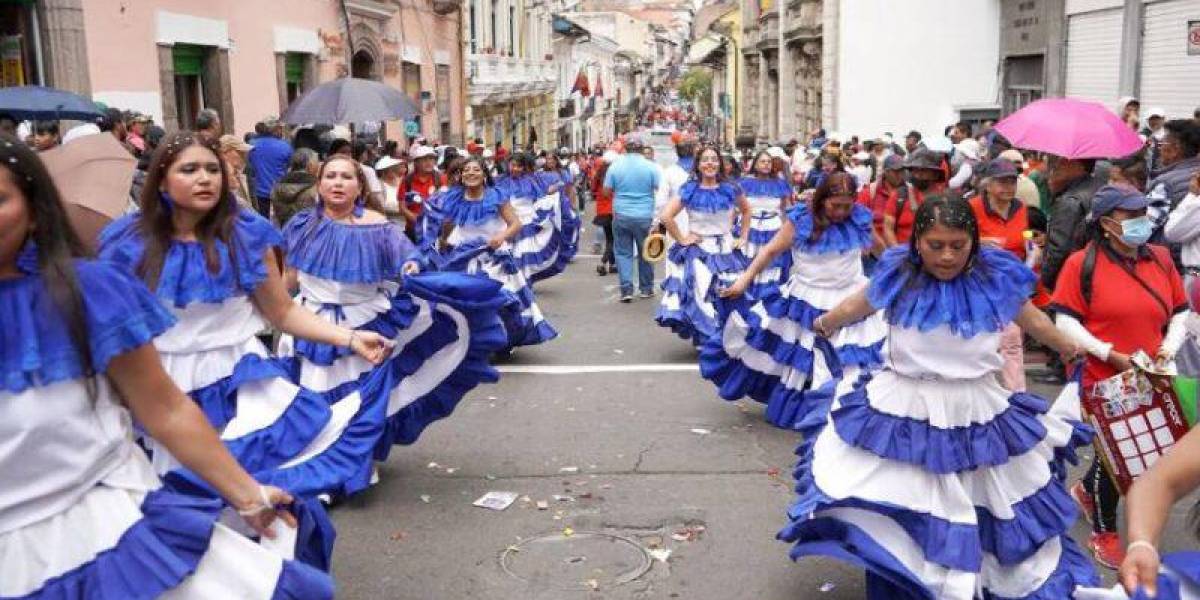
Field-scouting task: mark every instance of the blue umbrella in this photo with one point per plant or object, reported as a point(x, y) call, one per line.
point(37, 103)
point(350, 100)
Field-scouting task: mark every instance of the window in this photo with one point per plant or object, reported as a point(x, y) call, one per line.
point(512, 30)
point(474, 33)
point(445, 132)
point(188, 62)
point(442, 73)
point(293, 74)
point(18, 56)
point(494, 41)
point(411, 78)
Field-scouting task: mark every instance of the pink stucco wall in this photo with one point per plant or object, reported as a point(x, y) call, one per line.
point(123, 61)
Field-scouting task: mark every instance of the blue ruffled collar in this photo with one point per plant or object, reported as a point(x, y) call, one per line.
point(853, 234)
point(710, 200)
point(527, 186)
point(986, 297)
point(549, 178)
point(185, 276)
point(772, 187)
point(325, 248)
point(37, 350)
point(457, 208)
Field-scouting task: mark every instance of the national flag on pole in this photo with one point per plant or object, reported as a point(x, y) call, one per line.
point(599, 87)
point(581, 84)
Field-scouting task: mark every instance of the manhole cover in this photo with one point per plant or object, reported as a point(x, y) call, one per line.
point(583, 560)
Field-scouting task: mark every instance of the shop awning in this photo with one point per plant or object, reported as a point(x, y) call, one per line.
point(703, 48)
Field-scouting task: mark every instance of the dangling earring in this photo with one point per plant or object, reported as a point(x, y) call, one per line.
point(27, 258)
point(167, 203)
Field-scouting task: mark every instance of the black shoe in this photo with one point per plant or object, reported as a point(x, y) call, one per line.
point(626, 298)
point(601, 270)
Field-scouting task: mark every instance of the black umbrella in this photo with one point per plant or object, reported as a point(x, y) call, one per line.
point(350, 100)
point(37, 103)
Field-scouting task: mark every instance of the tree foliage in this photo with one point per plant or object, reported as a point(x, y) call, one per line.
point(696, 87)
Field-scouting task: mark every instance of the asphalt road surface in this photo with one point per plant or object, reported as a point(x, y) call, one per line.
point(618, 452)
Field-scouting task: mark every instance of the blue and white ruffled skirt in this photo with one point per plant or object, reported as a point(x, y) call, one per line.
point(767, 352)
point(129, 538)
point(522, 318)
point(694, 275)
point(444, 326)
point(537, 247)
point(763, 226)
point(941, 489)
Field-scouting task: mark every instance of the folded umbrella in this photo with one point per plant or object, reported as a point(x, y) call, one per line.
point(1070, 128)
point(37, 103)
point(350, 100)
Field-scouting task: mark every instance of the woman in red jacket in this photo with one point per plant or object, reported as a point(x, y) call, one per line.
point(604, 218)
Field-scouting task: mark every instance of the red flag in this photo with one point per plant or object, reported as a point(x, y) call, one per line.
point(581, 84)
point(599, 88)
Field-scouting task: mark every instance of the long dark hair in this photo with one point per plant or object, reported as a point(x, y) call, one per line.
point(458, 169)
point(754, 164)
point(528, 165)
point(56, 241)
point(953, 213)
point(720, 167)
point(838, 183)
point(155, 222)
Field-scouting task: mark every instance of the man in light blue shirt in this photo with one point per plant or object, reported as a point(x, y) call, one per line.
point(633, 181)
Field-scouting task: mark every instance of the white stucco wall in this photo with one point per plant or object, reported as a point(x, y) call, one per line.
point(912, 64)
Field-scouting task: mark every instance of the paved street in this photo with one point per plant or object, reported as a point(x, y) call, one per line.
point(657, 454)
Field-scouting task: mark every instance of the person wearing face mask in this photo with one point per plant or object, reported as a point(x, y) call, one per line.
point(894, 474)
point(356, 269)
point(927, 178)
point(1117, 296)
point(768, 352)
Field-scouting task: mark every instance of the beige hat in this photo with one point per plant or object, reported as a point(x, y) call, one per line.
point(1013, 155)
point(232, 142)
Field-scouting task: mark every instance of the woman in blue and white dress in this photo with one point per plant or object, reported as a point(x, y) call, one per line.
point(930, 474)
point(539, 241)
point(214, 266)
point(561, 186)
point(769, 196)
point(768, 352)
point(82, 514)
point(705, 259)
point(347, 261)
point(478, 228)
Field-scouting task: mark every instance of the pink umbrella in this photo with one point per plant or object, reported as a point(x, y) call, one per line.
point(1070, 128)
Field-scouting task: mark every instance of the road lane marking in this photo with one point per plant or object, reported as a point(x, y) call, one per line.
point(579, 369)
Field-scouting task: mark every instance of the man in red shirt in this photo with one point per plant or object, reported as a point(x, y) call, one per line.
point(927, 179)
point(876, 194)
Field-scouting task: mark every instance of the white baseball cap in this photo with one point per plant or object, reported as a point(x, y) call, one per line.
point(419, 152)
point(1157, 112)
point(776, 152)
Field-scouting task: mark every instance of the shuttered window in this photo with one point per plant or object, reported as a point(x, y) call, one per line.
point(188, 59)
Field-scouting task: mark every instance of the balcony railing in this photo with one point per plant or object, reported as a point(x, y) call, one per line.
point(493, 78)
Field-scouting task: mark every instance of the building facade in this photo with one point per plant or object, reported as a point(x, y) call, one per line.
point(716, 47)
point(782, 59)
point(585, 120)
point(1148, 49)
point(511, 77)
point(249, 60)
